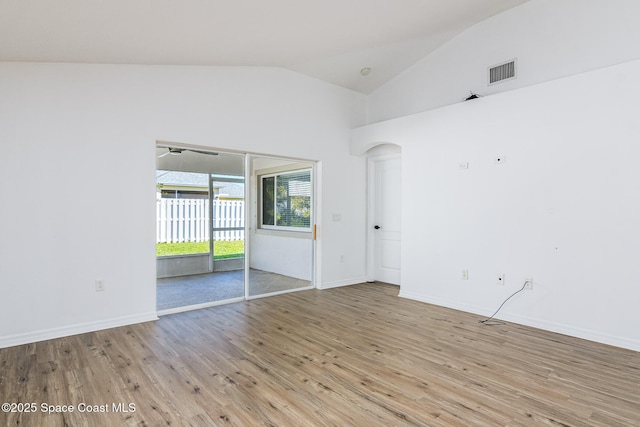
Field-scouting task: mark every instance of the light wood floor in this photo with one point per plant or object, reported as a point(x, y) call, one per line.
point(357, 356)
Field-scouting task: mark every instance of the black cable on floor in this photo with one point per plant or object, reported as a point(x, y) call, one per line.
point(513, 294)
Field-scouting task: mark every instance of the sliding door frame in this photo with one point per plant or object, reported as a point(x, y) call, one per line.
point(253, 209)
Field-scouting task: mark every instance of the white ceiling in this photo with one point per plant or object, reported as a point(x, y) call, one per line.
point(328, 39)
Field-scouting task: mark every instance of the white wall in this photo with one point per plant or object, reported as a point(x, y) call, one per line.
point(550, 39)
point(563, 209)
point(288, 256)
point(73, 136)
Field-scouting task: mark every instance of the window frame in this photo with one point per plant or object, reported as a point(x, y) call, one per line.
point(275, 175)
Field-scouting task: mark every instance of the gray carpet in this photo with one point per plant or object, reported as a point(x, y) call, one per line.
point(183, 291)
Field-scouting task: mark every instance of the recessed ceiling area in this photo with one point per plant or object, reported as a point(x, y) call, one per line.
point(331, 40)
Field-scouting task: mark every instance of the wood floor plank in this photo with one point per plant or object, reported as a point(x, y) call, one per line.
point(353, 356)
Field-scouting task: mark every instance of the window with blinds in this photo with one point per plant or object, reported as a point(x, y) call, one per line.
point(286, 200)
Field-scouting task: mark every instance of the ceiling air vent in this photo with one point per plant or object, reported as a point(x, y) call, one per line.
point(502, 72)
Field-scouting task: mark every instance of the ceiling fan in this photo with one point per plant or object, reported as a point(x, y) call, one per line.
point(177, 151)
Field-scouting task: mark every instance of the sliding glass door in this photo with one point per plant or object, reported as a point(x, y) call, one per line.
point(282, 226)
point(215, 247)
point(200, 226)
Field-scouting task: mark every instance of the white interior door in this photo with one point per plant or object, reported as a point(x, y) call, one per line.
point(386, 219)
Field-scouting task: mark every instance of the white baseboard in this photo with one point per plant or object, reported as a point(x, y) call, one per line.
point(65, 331)
point(560, 328)
point(442, 303)
point(574, 331)
point(339, 283)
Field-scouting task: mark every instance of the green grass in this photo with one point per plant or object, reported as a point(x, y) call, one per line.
point(221, 249)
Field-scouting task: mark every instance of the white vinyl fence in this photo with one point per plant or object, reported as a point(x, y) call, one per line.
point(187, 220)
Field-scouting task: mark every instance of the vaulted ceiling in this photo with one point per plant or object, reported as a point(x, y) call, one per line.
point(332, 40)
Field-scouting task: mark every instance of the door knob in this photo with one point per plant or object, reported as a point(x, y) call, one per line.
point(377, 227)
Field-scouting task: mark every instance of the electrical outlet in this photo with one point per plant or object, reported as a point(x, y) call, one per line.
point(465, 274)
point(500, 279)
point(99, 285)
point(528, 284)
